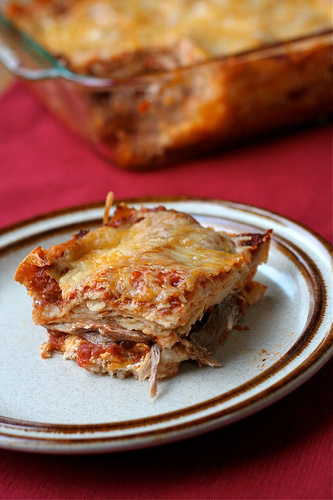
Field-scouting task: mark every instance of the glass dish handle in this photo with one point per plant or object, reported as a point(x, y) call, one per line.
point(22, 57)
point(25, 58)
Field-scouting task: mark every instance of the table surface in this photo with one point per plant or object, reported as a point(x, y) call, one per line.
point(282, 452)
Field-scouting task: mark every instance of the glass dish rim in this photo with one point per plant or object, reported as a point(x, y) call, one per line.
point(57, 70)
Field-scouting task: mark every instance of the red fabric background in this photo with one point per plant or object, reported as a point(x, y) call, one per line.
point(283, 452)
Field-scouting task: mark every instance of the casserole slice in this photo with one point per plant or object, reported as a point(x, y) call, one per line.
point(144, 292)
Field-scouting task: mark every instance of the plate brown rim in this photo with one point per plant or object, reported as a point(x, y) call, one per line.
point(317, 283)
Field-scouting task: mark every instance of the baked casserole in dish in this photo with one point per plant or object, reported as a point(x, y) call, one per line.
point(149, 82)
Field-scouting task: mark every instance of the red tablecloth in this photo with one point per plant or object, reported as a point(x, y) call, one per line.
point(284, 451)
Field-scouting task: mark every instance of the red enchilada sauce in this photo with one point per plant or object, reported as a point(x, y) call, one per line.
point(120, 353)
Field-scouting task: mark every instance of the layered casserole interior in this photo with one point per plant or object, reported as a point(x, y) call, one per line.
point(148, 290)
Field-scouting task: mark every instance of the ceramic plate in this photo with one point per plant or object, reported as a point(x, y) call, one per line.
point(52, 405)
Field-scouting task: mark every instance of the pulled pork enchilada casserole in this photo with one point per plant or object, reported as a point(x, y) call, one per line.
point(144, 292)
point(185, 76)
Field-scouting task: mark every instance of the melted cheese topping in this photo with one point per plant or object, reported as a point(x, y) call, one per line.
point(147, 260)
point(103, 29)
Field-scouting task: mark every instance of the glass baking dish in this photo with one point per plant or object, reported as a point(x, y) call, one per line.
point(149, 120)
